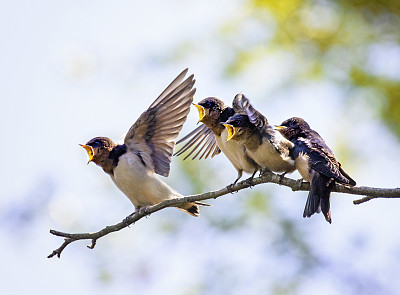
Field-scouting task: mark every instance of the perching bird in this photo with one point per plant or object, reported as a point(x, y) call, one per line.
point(266, 146)
point(211, 137)
point(147, 148)
point(316, 163)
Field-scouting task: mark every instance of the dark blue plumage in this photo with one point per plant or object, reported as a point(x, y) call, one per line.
point(316, 163)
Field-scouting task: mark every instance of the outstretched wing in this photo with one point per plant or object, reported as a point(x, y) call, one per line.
point(153, 134)
point(241, 104)
point(203, 140)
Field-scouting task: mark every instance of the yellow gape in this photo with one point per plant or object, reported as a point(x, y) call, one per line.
point(231, 131)
point(89, 150)
point(201, 110)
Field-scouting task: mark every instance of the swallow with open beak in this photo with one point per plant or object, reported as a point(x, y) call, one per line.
point(316, 163)
point(212, 137)
point(147, 148)
point(266, 146)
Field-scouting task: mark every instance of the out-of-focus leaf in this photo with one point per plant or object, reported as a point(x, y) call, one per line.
point(390, 110)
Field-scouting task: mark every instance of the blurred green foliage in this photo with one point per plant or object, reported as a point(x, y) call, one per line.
point(348, 44)
point(390, 108)
point(332, 40)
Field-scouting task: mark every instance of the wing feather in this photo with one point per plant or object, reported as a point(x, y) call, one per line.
point(207, 152)
point(324, 161)
point(202, 140)
point(205, 146)
point(241, 104)
point(170, 87)
point(156, 129)
point(196, 134)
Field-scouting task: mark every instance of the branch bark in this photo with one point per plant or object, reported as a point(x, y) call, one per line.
point(269, 177)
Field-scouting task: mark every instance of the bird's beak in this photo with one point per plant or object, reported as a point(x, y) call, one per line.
point(89, 150)
point(231, 131)
point(201, 110)
point(279, 128)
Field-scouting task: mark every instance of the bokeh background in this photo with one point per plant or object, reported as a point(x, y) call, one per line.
point(72, 70)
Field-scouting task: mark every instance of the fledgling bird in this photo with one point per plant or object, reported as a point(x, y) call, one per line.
point(316, 163)
point(147, 148)
point(265, 145)
point(211, 137)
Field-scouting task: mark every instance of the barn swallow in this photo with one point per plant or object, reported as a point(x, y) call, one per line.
point(316, 163)
point(211, 137)
point(265, 145)
point(147, 148)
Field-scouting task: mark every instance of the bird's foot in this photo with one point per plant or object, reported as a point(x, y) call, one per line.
point(249, 182)
point(143, 210)
point(281, 177)
point(299, 183)
point(264, 171)
point(126, 219)
point(231, 186)
point(139, 210)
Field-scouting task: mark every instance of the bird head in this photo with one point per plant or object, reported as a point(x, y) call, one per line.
point(210, 110)
point(98, 149)
point(292, 128)
point(237, 126)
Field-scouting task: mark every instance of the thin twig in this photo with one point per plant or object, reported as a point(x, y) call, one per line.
point(295, 185)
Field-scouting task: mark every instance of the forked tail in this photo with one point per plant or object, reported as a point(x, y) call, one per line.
point(319, 197)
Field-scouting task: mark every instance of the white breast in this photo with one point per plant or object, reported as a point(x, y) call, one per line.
point(267, 156)
point(234, 151)
point(142, 186)
point(302, 167)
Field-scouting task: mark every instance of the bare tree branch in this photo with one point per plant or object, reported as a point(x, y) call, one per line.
point(295, 185)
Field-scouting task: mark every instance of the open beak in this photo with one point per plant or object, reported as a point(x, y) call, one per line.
point(231, 131)
point(201, 110)
point(279, 128)
point(89, 150)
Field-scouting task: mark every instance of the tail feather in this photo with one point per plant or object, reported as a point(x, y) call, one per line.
point(192, 208)
point(319, 197)
point(326, 208)
point(202, 204)
point(312, 204)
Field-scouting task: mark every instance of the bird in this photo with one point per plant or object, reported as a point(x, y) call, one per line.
point(316, 163)
point(147, 148)
point(265, 145)
point(210, 138)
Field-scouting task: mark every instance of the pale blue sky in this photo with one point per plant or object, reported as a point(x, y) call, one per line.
point(72, 70)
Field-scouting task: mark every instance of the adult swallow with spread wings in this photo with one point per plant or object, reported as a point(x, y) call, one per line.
point(266, 146)
point(211, 137)
point(147, 148)
point(316, 163)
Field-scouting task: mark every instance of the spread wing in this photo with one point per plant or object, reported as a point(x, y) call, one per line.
point(153, 134)
point(323, 160)
point(203, 140)
point(241, 104)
